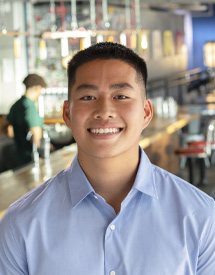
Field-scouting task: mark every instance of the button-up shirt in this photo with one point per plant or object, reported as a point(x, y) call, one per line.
point(165, 226)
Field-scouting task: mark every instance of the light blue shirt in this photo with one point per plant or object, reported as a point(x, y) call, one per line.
point(165, 227)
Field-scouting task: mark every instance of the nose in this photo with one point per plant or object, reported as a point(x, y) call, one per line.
point(104, 109)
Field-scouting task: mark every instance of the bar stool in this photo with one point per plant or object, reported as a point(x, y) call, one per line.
point(200, 153)
point(202, 144)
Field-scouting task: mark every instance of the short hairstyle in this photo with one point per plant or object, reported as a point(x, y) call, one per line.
point(106, 50)
point(34, 80)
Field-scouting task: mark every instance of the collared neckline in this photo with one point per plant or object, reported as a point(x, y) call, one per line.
point(28, 99)
point(79, 185)
point(144, 181)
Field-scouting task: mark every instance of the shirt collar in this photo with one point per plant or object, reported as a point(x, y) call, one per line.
point(144, 181)
point(78, 183)
point(80, 187)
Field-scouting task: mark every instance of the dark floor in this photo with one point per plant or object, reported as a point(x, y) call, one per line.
point(209, 188)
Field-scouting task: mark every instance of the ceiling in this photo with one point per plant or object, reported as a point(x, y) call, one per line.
point(123, 1)
point(192, 5)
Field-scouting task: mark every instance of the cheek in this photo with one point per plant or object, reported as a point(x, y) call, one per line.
point(134, 117)
point(136, 111)
point(79, 115)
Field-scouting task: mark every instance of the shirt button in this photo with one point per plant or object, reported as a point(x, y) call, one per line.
point(95, 197)
point(112, 272)
point(112, 227)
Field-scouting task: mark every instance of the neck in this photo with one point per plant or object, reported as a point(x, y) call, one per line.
point(112, 178)
point(31, 94)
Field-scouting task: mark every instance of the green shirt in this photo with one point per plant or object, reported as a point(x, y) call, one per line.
point(23, 115)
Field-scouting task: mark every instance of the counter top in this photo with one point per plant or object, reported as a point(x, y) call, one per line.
point(159, 127)
point(53, 120)
point(14, 184)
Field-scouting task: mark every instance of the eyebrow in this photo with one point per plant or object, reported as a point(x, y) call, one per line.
point(116, 86)
point(121, 86)
point(86, 87)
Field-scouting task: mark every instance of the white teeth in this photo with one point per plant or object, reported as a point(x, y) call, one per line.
point(104, 131)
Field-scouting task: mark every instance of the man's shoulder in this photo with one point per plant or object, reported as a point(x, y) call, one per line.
point(178, 189)
point(17, 105)
point(40, 198)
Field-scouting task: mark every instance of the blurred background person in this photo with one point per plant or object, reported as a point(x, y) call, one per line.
point(24, 117)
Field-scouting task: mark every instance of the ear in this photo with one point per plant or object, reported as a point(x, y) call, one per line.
point(148, 110)
point(66, 114)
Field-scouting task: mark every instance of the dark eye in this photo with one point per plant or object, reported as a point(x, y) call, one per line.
point(120, 97)
point(88, 97)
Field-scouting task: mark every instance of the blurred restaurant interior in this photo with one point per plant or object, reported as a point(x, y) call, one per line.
point(175, 37)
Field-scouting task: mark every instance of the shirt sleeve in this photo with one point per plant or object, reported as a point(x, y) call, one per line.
point(32, 117)
point(206, 261)
point(11, 257)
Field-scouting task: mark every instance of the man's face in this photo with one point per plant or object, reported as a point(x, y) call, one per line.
point(107, 110)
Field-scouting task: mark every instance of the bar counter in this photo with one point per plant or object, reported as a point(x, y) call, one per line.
point(14, 184)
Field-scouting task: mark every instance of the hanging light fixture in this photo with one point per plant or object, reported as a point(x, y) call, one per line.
point(17, 47)
point(110, 38)
point(144, 41)
point(137, 14)
point(105, 14)
point(3, 17)
point(128, 14)
point(133, 41)
point(93, 14)
point(74, 23)
point(65, 61)
point(99, 38)
point(64, 46)
point(43, 49)
point(53, 27)
point(85, 42)
point(123, 39)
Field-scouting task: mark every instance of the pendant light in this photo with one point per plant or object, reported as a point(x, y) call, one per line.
point(43, 49)
point(64, 46)
point(105, 14)
point(74, 23)
point(93, 14)
point(137, 14)
point(53, 26)
point(123, 39)
point(128, 13)
point(99, 38)
point(17, 47)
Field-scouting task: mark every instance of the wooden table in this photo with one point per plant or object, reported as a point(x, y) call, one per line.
point(14, 184)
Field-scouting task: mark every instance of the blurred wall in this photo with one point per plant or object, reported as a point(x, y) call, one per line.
point(203, 31)
point(12, 70)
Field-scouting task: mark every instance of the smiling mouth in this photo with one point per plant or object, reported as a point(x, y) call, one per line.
point(103, 131)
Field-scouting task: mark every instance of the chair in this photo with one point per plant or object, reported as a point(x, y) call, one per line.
point(194, 131)
point(202, 144)
point(199, 151)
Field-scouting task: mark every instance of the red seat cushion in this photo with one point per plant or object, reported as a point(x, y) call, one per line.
point(200, 143)
point(190, 150)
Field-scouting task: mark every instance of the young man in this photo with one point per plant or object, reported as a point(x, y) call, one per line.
point(24, 117)
point(112, 211)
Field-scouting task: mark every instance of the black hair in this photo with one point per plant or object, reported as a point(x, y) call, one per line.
point(34, 80)
point(106, 50)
